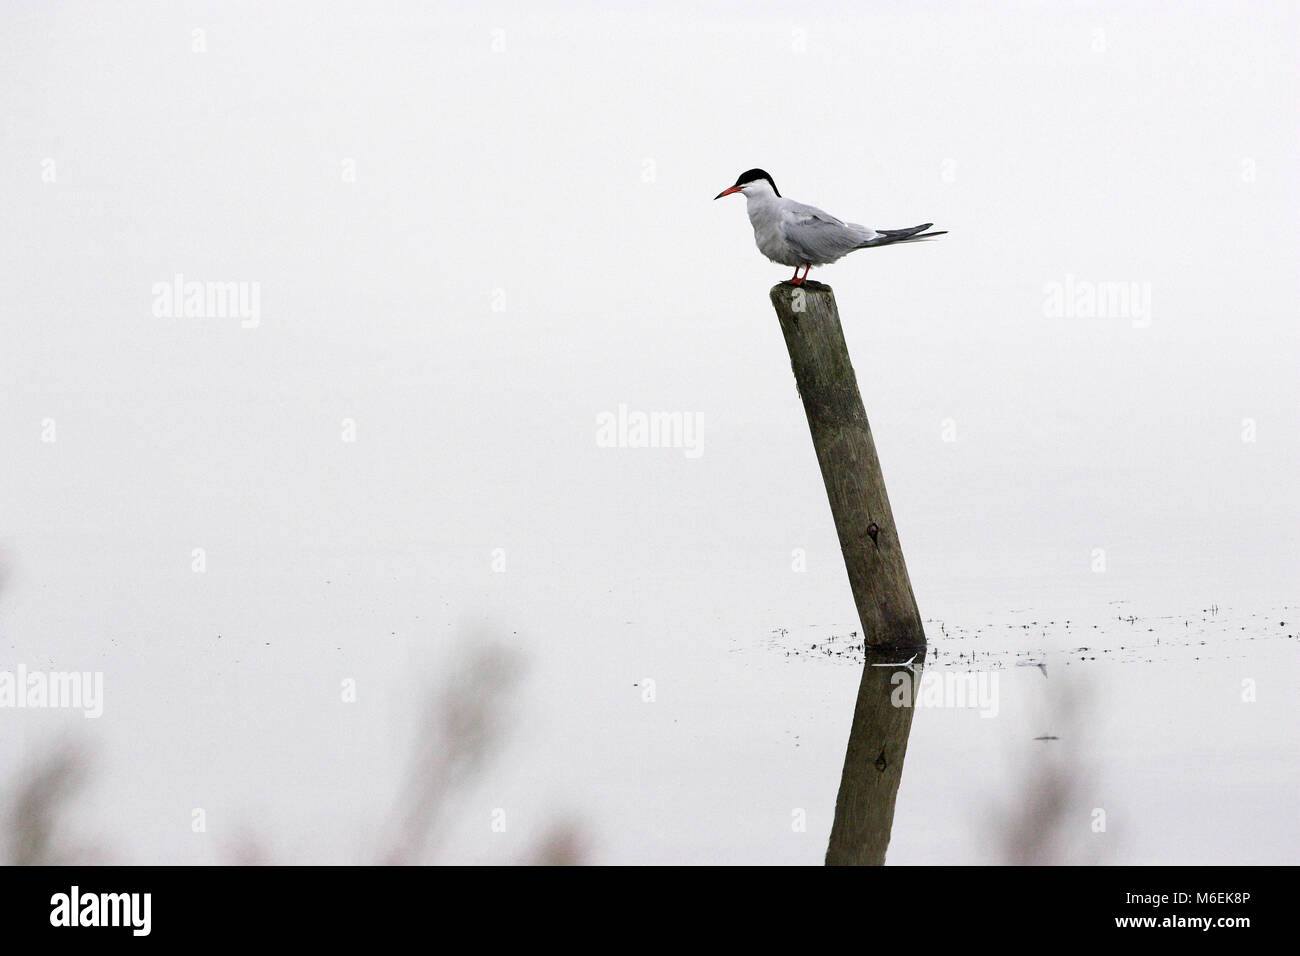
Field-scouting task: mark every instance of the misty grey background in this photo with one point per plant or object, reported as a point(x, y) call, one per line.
point(529, 241)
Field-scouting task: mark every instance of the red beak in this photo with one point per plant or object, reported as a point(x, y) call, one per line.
point(727, 192)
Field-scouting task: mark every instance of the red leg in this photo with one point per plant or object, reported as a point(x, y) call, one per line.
point(805, 274)
point(795, 280)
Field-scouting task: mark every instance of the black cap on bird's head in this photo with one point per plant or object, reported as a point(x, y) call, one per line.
point(747, 177)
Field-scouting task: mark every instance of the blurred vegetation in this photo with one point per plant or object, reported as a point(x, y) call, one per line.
point(464, 725)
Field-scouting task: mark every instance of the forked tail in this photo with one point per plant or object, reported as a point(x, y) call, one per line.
point(890, 236)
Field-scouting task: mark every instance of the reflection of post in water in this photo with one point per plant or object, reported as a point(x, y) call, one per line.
point(873, 766)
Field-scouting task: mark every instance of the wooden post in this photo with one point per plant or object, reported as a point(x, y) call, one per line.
point(873, 557)
point(855, 485)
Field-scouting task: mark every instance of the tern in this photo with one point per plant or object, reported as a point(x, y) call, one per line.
point(794, 234)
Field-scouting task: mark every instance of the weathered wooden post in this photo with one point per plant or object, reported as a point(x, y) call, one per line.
point(850, 468)
point(873, 557)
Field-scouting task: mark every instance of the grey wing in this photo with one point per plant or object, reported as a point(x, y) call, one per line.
point(818, 237)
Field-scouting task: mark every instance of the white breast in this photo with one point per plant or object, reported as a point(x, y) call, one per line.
point(767, 217)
